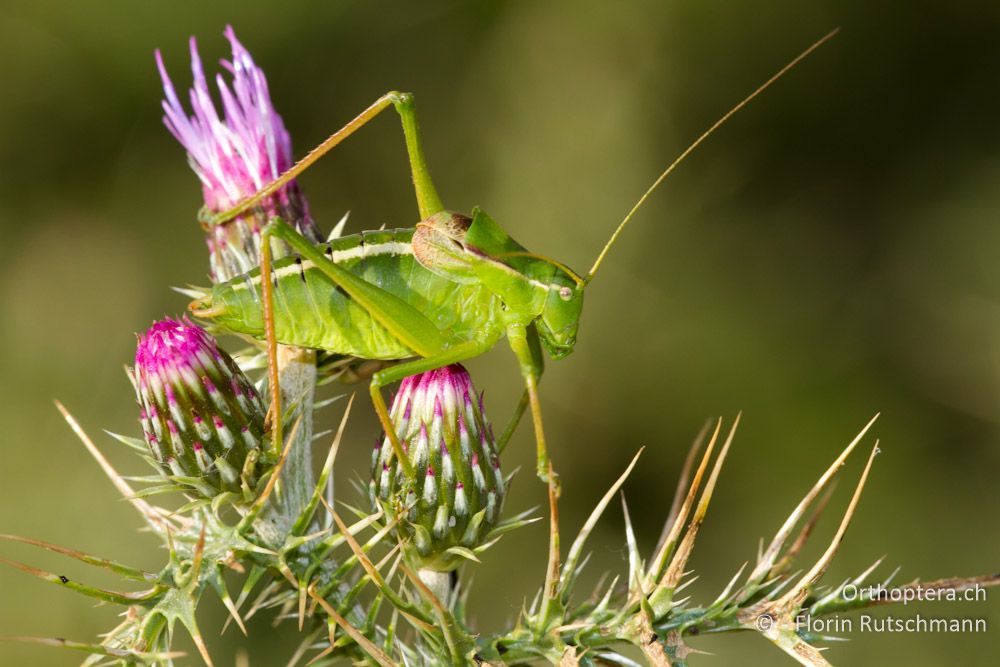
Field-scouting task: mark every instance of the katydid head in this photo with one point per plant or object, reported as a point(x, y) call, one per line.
point(533, 286)
point(560, 318)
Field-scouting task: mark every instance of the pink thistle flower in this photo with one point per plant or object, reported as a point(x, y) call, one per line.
point(456, 493)
point(235, 155)
point(200, 415)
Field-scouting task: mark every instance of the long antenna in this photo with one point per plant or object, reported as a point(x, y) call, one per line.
point(697, 142)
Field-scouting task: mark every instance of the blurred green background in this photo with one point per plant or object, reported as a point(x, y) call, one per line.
point(830, 253)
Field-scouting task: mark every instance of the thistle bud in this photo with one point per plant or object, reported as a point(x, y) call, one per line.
point(201, 416)
point(456, 493)
point(236, 155)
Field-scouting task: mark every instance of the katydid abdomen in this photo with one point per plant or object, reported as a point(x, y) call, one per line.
point(311, 311)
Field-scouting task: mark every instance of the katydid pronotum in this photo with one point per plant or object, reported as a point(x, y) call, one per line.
point(440, 293)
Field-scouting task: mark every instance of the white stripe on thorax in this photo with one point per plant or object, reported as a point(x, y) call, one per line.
point(357, 252)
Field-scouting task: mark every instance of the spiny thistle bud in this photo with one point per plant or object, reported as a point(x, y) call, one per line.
point(455, 496)
point(236, 156)
point(202, 418)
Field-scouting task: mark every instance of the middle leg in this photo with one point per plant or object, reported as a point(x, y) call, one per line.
point(524, 343)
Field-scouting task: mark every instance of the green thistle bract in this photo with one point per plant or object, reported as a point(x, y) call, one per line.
point(455, 496)
point(201, 417)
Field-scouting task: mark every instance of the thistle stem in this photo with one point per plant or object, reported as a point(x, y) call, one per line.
point(438, 582)
point(297, 380)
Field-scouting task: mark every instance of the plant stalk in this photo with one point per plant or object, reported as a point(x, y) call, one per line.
point(297, 379)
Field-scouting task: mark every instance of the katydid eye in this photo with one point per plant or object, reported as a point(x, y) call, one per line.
point(565, 293)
